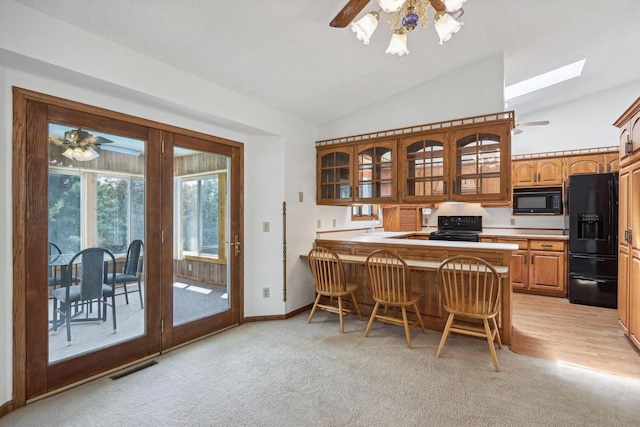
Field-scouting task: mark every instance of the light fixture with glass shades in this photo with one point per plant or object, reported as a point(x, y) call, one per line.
point(406, 15)
point(80, 145)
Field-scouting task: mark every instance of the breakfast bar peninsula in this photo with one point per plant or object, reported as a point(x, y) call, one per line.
point(423, 257)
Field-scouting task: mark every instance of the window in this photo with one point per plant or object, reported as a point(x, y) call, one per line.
point(120, 212)
point(201, 201)
point(364, 212)
point(65, 211)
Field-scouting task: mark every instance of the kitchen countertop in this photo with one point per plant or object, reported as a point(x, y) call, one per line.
point(395, 237)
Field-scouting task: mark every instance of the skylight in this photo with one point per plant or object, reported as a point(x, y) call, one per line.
point(544, 80)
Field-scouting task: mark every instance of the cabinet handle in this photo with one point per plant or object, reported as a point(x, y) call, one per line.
point(454, 188)
point(631, 236)
point(444, 188)
point(608, 168)
point(599, 168)
point(525, 260)
point(546, 246)
point(532, 258)
point(628, 147)
point(535, 177)
point(539, 180)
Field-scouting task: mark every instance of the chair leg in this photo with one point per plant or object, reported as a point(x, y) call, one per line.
point(126, 292)
point(140, 293)
point(341, 313)
point(68, 320)
point(355, 303)
point(445, 334)
point(313, 309)
point(113, 309)
point(371, 319)
point(487, 330)
point(495, 325)
point(407, 331)
point(415, 307)
point(55, 315)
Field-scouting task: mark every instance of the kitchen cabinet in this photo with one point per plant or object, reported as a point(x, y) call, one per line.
point(629, 224)
point(467, 162)
point(334, 175)
point(591, 163)
point(469, 165)
point(357, 173)
point(541, 172)
point(629, 140)
point(538, 266)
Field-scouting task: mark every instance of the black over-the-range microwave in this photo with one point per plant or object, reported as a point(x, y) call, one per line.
point(537, 200)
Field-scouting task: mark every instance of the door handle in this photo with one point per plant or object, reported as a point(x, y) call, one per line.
point(236, 245)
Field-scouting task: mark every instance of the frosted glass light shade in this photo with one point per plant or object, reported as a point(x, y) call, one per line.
point(453, 5)
point(365, 26)
point(80, 154)
point(398, 44)
point(446, 26)
point(391, 5)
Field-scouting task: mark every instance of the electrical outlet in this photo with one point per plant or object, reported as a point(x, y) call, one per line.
point(513, 221)
point(300, 197)
point(265, 292)
point(319, 224)
point(265, 226)
point(190, 267)
point(334, 223)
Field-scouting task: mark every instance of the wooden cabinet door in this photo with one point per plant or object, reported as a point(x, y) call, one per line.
point(376, 172)
point(549, 172)
point(623, 288)
point(520, 270)
point(547, 270)
point(633, 202)
point(334, 180)
point(634, 301)
point(480, 164)
point(634, 130)
point(585, 164)
point(524, 172)
point(423, 169)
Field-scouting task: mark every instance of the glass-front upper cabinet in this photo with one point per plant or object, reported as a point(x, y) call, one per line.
point(376, 172)
point(481, 170)
point(334, 185)
point(424, 168)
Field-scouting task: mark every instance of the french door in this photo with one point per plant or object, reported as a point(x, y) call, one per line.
point(165, 202)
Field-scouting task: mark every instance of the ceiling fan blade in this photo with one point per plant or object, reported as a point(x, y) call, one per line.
point(534, 123)
point(101, 140)
point(348, 13)
point(516, 131)
point(120, 150)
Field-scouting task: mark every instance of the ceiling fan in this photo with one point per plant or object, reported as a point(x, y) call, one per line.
point(81, 145)
point(354, 7)
point(516, 130)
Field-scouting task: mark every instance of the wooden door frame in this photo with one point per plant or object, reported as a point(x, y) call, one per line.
point(21, 226)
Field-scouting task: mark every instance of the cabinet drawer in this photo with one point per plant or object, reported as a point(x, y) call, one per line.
point(547, 245)
point(522, 243)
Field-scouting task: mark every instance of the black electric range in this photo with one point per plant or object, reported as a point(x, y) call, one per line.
point(458, 228)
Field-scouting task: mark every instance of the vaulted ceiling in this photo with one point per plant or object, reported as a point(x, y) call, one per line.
point(284, 53)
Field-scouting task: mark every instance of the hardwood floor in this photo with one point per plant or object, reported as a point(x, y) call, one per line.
point(554, 329)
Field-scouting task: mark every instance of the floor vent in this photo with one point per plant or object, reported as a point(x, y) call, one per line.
point(134, 369)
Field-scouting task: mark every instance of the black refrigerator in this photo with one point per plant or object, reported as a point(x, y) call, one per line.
point(592, 203)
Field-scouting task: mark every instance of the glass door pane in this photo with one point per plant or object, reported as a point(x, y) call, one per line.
point(201, 230)
point(96, 198)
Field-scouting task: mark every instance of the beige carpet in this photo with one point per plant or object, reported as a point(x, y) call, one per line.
point(290, 373)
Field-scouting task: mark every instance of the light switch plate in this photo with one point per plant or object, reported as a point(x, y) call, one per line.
point(265, 226)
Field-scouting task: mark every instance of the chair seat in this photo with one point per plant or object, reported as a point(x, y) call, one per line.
point(385, 298)
point(74, 293)
point(468, 310)
point(121, 277)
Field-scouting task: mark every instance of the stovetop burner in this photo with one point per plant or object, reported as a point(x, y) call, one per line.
point(458, 228)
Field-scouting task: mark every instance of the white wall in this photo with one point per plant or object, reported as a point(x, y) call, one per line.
point(76, 65)
point(473, 90)
point(583, 123)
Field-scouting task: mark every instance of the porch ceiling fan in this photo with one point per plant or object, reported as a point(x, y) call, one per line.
point(82, 146)
point(517, 129)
